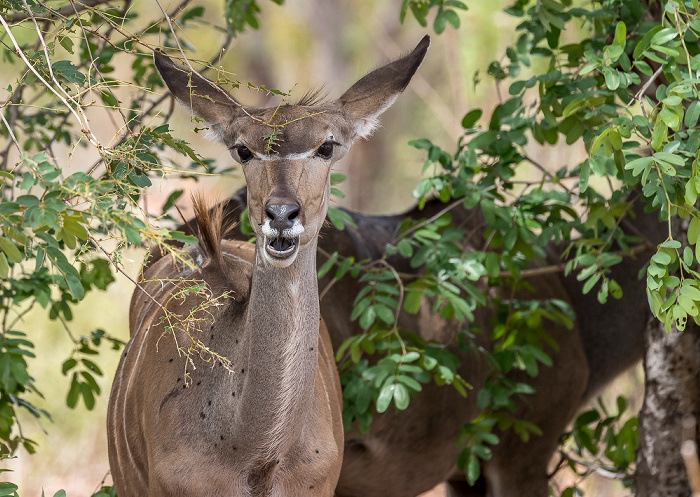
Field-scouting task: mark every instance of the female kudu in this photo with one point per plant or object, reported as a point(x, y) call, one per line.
point(269, 424)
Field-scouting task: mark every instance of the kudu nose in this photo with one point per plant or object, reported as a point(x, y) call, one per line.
point(282, 216)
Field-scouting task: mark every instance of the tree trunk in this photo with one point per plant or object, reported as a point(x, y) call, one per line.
point(671, 366)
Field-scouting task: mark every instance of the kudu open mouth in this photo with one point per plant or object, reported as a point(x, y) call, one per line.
point(281, 247)
point(282, 229)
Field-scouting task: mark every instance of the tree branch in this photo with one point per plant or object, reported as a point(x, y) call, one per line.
point(63, 11)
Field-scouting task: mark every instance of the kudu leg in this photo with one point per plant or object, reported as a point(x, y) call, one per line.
point(517, 468)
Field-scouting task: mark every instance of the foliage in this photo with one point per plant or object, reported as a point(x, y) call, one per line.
point(626, 88)
point(600, 441)
point(62, 233)
point(624, 85)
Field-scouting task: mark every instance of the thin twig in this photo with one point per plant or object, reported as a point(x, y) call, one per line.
point(77, 112)
point(120, 270)
point(12, 135)
point(63, 11)
point(432, 218)
point(41, 39)
point(172, 30)
point(93, 59)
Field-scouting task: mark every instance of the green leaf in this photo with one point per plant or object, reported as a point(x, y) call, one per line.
point(659, 135)
point(7, 488)
point(68, 365)
point(323, 270)
point(343, 267)
point(409, 382)
point(73, 392)
point(401, 397)
point(10, 249)
point(694, 230)
point(672, 244)
point(440, 22)
point(88, 396)
point(421, 144)
point(71, 73)
point(92, 366)
point(385, 396)
point(471, 118)
point(452, 18)
point(172, 198)
point(638, 165)
point(688, 258)
point(664, 36)
point(620, 33)
point(614, 289)
point(4, 267)
point(75, 228)
point(473, 469)
point(590, 283)
point(671, 118)
point(339, 218)
point(692, 114)
point(405, 248)
point(612, 78)
point(384, 313)
point(661, 258)
point(182, 237)
point(368, 317)
point(410, 357)
point(412, 301)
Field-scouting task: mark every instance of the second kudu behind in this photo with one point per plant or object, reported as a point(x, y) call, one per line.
point(267, 420)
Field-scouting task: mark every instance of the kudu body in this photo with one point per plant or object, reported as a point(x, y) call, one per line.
point(409, 452)
point(268, 424)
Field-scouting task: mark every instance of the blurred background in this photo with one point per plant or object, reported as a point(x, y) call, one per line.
point(299, 46)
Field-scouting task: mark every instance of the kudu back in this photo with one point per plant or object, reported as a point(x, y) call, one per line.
point(607, 340)
point(258, 413)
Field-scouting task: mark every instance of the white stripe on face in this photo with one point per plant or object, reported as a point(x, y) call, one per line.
point(304, 155)
point(300, 156)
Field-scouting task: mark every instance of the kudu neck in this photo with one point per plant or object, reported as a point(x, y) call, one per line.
point(281, 332)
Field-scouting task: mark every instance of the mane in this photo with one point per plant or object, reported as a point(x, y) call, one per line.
point(315, 96)
point(212, 227)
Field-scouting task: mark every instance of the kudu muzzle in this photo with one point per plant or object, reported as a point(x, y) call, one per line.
point(282, 229)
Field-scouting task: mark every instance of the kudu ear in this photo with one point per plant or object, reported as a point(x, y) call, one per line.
point(365, 101)
point(200, 96)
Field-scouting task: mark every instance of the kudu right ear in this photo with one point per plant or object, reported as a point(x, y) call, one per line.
point(200, 96)
point(367, 99)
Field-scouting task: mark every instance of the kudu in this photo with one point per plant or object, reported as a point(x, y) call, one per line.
point(269, 424)
point(409, 452)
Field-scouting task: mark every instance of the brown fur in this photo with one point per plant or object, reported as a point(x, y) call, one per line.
point(266, 420)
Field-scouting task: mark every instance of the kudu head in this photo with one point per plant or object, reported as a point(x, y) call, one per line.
point(287, 152)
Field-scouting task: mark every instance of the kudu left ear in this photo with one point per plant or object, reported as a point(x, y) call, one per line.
point(200, 96)
point(367, 99)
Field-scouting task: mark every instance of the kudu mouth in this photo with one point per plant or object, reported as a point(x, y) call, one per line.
point(281, 237)
point(281, 247)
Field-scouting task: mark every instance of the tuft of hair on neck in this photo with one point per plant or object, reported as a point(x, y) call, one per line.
point(212, 227)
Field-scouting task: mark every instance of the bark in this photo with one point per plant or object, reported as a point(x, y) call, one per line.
point(672, 369)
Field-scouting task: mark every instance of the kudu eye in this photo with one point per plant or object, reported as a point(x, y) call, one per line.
point(325, 151)
point(244, 153)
